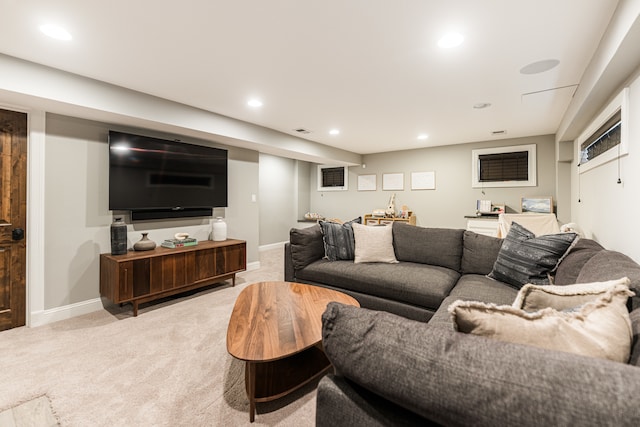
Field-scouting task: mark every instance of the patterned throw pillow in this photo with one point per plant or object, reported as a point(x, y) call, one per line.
point(339, 243)
point(525, 258)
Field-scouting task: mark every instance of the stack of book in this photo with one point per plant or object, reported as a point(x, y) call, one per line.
point(175, 243)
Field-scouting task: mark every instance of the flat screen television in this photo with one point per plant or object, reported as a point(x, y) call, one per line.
point(156, 178)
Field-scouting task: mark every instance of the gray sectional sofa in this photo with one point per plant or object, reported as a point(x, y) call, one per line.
point(399, 360)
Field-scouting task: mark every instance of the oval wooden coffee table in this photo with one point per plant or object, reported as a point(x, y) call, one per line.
point(276, 328)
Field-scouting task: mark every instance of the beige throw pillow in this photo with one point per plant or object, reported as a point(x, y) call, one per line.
point(373, 244)
point(599, 328)
point(536, 297)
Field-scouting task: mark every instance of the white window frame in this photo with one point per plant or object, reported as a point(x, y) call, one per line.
point(531, 167)
point(345, 187)
point(619, 103)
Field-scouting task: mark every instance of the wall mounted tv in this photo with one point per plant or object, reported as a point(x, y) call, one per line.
point(156, 178)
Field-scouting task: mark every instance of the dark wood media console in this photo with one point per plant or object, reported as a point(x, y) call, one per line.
point(139, 277)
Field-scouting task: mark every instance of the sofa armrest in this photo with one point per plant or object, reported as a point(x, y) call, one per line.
point(458, 379)
point(289, 272)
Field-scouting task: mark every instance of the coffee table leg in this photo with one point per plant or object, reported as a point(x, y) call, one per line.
point(250, 377)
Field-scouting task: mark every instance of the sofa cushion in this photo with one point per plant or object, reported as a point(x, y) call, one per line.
point(458, 379)
point(433, 246)
point(476, 287)
point(416, 284)
point(569, 268)
point(338, 239)
point(634, 359)
point(607, 265)
point(306, 245)
point(473, 287)
point(341, 402)
point(479, 253)
point(525, 258)
point(600, 328)
point(373, 244)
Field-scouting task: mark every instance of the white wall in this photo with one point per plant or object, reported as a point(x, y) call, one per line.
point(278, 201)
point(77, 217)
point(453, 197)
point(607, 211)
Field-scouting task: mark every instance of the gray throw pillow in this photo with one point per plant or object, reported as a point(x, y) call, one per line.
point(525, 258)
point(479, 253)
point(306, 245)
point(339, 243)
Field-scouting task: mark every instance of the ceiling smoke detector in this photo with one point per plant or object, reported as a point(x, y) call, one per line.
point(302, 130)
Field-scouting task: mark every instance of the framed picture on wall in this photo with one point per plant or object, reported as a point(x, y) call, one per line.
point(393, 181)
point(367, 182)
point(536, 204)
point(423, 180)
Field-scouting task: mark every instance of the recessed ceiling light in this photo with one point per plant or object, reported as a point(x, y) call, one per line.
point(481, 105)
point(254, 103)
point(423, 136)
point(334, 132)
point(450, 40)
point(539, 66)
point(55, 32)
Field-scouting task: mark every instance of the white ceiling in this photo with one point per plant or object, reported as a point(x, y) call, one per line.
point(371, 68)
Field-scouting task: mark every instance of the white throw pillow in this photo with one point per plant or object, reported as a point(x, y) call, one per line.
point(373, 244)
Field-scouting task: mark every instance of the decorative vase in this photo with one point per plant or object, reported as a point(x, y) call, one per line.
point(219, 232)
point(144, 244)
point(118, 237)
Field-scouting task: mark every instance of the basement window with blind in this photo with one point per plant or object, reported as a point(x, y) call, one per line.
point(333, 178)
point(513, 166)
point(605, 139)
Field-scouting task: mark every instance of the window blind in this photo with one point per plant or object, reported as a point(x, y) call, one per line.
point(504, 166)
point(333, 177)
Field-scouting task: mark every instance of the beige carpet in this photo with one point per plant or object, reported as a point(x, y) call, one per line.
point(167, 367)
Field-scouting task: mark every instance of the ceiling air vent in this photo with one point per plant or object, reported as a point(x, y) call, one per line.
point(499, 132)
point(302, 130)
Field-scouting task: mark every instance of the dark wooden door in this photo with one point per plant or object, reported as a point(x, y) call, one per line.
point(13, 207)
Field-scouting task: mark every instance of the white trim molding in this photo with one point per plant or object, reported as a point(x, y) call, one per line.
point(43, 317)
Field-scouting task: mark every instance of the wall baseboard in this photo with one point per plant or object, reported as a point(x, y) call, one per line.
point(271, 246)
point(43, 317)
point(253, 266)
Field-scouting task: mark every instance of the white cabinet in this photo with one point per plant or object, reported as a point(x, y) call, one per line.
point(486, 226)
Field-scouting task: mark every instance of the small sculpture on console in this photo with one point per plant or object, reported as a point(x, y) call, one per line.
point(390, 212)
